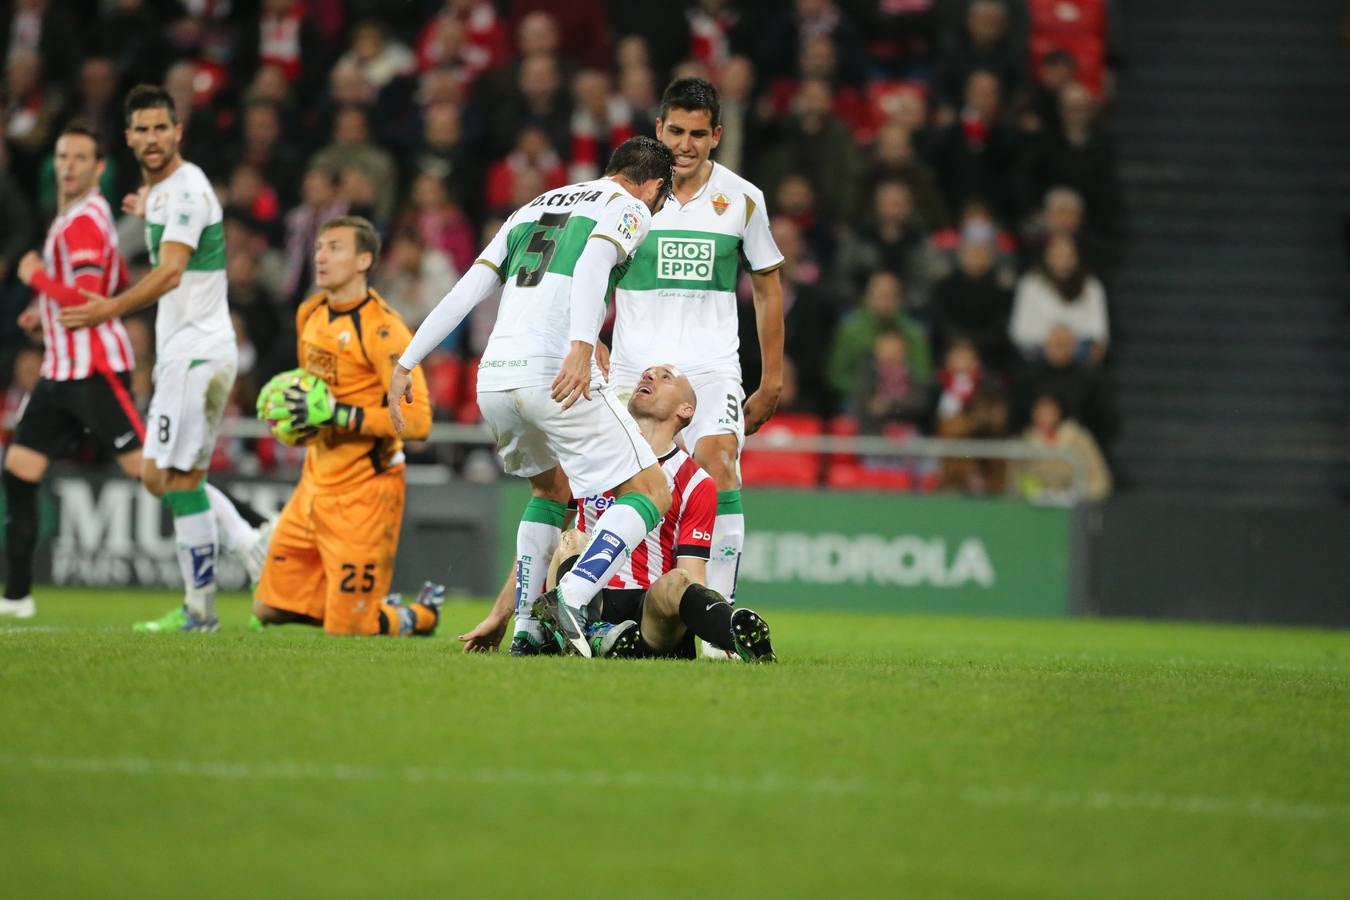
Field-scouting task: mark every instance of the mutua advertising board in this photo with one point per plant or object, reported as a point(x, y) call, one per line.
point(112, 532)
point(904, 553)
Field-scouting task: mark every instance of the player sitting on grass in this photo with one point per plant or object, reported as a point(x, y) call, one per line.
point(662, 583)
point(332, 553)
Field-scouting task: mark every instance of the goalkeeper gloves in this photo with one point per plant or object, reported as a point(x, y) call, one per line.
point(310, 403)
point(303, 401)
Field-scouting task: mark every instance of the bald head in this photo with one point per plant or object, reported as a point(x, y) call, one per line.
point(664, 395)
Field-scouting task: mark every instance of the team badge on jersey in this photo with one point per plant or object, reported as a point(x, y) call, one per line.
point(720, 203)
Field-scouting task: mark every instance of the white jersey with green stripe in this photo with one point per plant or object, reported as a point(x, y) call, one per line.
point(677, 302)
point(193, 320)
point(535, 252)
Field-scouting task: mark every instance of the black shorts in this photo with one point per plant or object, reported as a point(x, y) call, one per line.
point(60, 414)
point(622, 604)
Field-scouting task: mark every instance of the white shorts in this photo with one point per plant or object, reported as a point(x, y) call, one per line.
point(719, 407)
point(185, 412)
point(596, 442)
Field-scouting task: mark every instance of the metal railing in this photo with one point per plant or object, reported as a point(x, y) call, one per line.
point(778, 442)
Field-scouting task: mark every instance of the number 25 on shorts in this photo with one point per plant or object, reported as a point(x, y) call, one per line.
point(349, 573)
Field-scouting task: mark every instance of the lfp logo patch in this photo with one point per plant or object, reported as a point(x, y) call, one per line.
point(685, 259)
point(630, 220)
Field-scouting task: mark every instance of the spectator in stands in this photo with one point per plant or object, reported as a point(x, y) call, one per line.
point(539, 100)
point(248, 194)
point(814, 143)
point(971, 305)
point(796, 199)
point(779, 44)
point(132, 37)
point(882, 307)
point(281, 35)
point(19, 229)
point(1059, 291)
point(810, 313)
point(319, 202)
point(983, 44)
point(975, 153)
point(982, 416)
point(444, 152)
point(1063, 213)
point(45, 30)
point(1080, 155)
point(440, 222)
point(250, 300)
point(893, 158)
point(889, 390)
point(532, 153)
point(467, 35)
point(1083, 391)
point(1041, 114)
point(261, 147)
point(735, 86)
point(32, 111)
point(96, 99)
point(894, 241)
point(1052, 480)
point(582, 27)
point(414, 277)
point(380, 58)
point(601, 121)
point(352, 148)
point(637, 85)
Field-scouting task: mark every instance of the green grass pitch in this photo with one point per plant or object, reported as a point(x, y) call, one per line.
point(883, 757)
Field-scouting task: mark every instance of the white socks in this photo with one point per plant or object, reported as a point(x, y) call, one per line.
point(728, 539)
point(194, 526)
point(235, 533)
point(537, 539)
point(616, 532)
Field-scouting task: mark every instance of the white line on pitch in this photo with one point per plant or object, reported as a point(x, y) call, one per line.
point(978, 795)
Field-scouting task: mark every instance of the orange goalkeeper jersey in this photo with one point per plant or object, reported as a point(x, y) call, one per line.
point(355, 351)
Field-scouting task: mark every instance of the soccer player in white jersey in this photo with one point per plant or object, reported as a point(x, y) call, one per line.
point(558, 256)
point(677, 304)
point(195, 355)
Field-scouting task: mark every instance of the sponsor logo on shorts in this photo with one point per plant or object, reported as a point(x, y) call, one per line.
point(503, 363)
point(123, 439)
point(685, 259)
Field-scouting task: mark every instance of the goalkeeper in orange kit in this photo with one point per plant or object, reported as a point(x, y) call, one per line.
point(331, 558)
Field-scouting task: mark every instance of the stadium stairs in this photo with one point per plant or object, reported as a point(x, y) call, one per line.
point(1233, 303)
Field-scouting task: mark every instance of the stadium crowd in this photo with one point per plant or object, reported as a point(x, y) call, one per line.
point(940, 178)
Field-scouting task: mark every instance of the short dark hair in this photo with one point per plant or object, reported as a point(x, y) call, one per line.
point(149, 96)
point(87, 129)
point(642, 158)
point(367, 238)
point(692, 94)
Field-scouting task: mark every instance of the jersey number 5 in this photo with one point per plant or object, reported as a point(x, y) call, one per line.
point(543, 243)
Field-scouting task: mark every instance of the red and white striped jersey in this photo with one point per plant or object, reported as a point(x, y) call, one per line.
point(686, 529)
point(81, 253)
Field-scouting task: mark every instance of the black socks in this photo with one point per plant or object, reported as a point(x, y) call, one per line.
point(21, 527)
point(707, 614)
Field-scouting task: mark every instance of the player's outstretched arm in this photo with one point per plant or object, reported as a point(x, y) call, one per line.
point(173, 261)
point(486, 636)
point(483, 277)
point(590, 284)
point(768, 290)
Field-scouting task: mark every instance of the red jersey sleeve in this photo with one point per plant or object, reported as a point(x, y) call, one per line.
point(85, 247)
point(694, 532)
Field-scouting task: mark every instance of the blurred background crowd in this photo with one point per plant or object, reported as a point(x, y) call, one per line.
point(941, 177)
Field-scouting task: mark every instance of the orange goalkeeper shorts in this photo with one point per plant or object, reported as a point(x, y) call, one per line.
point(332, 553)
